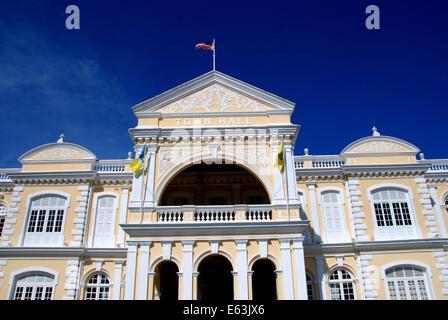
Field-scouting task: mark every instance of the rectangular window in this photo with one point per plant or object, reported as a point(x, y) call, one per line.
point(19, 292)
point(387, 214)
point(40, 221)
point(39, 292)
point(379, 215)
point(335, 291)
point(28, 293)
point(48, 293)
point(50, 222)
point(406, 215)
point(59, 219)
point(33, 219)
point(392, 291)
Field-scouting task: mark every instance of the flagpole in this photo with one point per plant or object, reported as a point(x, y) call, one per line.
point(214, 55)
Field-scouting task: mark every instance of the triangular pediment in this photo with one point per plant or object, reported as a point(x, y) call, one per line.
point(214, 92)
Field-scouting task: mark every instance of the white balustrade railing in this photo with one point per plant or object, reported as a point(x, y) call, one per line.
point(298, 164)
point(4, 177)
point(438, 166)
point(111, 166)
point(328, 163)
point(214, 214)
point(4, 174)
point(259, 214)
point(318, 162)
point(170, 215)
point(210, 214)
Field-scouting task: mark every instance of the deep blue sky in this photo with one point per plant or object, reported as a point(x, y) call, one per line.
point(343, 77)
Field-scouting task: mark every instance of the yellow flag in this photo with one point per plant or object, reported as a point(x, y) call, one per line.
point(136, 165)
point(279, 162)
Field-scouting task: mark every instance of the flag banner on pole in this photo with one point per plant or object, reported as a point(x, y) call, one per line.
point(210, 46)
point(137, 164)
point(279, 162)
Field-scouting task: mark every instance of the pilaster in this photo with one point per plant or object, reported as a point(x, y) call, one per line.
point(80, 218)
point(130, 271)
point(71, 279)
point(285, 249)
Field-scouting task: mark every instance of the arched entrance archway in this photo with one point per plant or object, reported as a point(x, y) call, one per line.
point(215, 281)
point(215, 185)
point(166, 281)
point(264, 286)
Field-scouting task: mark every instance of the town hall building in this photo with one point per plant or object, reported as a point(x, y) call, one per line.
point(213, 216)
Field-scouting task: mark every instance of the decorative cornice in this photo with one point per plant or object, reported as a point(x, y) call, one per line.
point(178, 134)
point(53, 177)
point(192, 229)
point(63, 252)
point(388, 170)
point(371, 246)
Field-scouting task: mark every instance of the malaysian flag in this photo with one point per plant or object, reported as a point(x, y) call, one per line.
point(210, 46)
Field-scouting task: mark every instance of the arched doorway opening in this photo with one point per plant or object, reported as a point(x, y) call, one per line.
point(214, 185)
point(215, 281)
point(166, 281)
point(264, 286)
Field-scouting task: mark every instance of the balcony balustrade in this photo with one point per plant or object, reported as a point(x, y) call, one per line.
point(214, 214)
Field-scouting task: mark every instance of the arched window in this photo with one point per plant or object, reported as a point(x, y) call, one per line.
point(342, 285)
point(97, 287)
point(310, 286)
point(393, 214)
point(406, 283)
point(46, 221)
point(333, 217)
point(104, 234)
point(34, 286)
point(2, 217)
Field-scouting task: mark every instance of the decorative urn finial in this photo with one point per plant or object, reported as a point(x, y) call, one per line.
point(422, 156)
point(306, 151)
point(61, 138)
point(375, 132)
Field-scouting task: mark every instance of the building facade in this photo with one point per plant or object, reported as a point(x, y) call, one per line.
point(211, 217)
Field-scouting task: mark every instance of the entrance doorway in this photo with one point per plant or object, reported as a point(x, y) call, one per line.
point(167, 281)
point(264, 286)
point(215, 282)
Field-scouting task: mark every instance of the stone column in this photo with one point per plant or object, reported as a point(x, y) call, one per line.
point(188, 269)
point(320, 278)
point(143, 271)
point(117, 280)
point(149, 194)
point(300, 270)
point(242, 269)
point(130, 271)
point(285, 250)
point(293, 196)
point(122, 215)
point(279, 191)
point(314, 213)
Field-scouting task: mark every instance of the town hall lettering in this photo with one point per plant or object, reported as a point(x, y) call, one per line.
point(224, 121)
